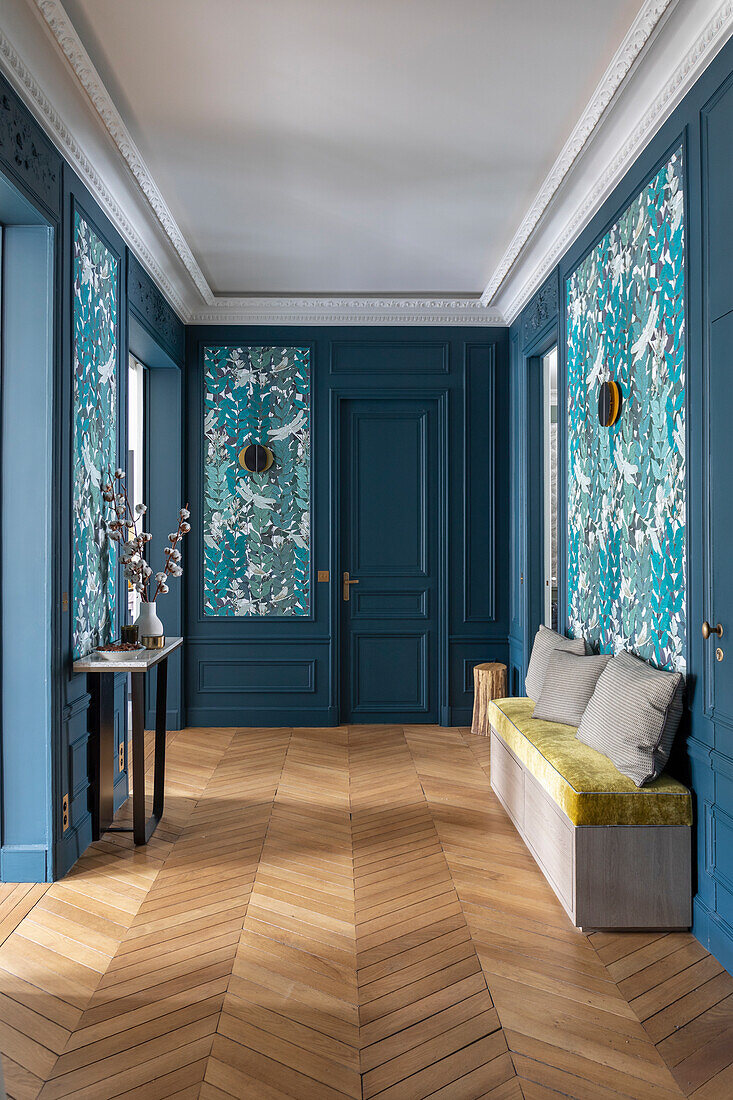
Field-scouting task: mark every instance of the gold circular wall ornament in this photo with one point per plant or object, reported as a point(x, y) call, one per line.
point(609, 404)
point(255, 458)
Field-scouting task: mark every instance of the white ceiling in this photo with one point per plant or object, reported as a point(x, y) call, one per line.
point(350, 146)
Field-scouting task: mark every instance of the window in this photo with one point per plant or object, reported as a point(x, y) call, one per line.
point(549, 419)
point(135, 455)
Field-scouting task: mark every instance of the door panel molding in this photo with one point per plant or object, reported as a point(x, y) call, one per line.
point(421, 703)
point(439, 397)
point(422, 564)
point(479, 455)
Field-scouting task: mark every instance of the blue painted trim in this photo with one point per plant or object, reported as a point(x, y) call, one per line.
point(24, 863)
point(150, 308)
point(172, 719)
point(227, 716)
point(482, 405)
point(27, 156)
point(371, 343)
point(261, 662)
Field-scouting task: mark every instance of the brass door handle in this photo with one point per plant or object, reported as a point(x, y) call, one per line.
point(707, 630)
point(347, 583)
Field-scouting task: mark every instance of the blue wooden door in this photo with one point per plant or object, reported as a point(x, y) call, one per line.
point(389, 510)
point(716, 854)
point(711, 529)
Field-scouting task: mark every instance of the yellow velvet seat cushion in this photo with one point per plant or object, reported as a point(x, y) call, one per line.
point(582, 781)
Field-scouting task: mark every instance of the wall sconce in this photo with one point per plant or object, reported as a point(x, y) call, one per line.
point(255, 458)
point(609, 404)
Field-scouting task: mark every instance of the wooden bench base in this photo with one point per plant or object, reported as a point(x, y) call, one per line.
point(607, 876)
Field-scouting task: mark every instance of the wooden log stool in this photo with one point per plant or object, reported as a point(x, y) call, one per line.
point(489, 682)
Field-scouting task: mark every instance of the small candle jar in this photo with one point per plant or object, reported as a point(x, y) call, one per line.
point(130, 634)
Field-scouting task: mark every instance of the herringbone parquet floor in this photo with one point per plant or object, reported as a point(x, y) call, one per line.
point(341, 913)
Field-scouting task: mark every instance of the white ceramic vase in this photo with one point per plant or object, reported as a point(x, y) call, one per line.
point(149, 626)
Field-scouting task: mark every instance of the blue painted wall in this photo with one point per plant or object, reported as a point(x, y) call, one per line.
point(44, 760)
point(703, 756)
point(26, 549)
point(250, 671)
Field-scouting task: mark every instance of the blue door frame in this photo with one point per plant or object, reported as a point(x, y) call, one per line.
point(394, 543)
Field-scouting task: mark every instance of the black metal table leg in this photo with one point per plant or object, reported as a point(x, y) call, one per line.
point(102, 691)
point(138, 757)
point(143, 829)
point(161, 704)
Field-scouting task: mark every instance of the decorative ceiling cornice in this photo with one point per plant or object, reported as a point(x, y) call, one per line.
point(65, 34)
point(33, 94)
point(634, 42)
point(712, 37)
point(347, 311)
point(376, 309)
point(243, 310)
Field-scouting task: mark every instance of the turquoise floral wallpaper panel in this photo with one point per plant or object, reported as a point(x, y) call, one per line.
point(626, 485)
point(256, 527)
point(94, 450)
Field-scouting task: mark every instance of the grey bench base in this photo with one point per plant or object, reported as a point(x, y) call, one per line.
point(606, 876)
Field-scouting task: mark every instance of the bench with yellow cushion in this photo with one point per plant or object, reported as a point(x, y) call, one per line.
point(616, 855)
point(583, 782)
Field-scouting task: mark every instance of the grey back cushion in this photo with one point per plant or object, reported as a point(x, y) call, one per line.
point(570, 681)
point(633, 716)
point(546, 641)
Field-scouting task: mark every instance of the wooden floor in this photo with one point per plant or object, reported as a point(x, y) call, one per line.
point(341, 913)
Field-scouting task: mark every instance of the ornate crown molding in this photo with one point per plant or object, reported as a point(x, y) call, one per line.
point(347, 311)
point(63, 31)
point(543, 306)
point(26, 151)
point(150, 305)
point(636, 38)
point(29, 89)
point(708, 41)
point(366, 310)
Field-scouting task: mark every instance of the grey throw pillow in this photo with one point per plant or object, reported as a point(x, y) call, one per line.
point(633, 716)
point(546, 641)
point(570, 681)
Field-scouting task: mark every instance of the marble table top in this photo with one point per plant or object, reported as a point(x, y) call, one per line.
point(139, 663)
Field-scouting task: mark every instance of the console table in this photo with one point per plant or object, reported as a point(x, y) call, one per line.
point(100, 678)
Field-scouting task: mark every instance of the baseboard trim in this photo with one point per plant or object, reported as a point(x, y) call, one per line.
point(73, 844)
point(172, 719)
point(713, 932)
point(246, 717)
point(24, 863)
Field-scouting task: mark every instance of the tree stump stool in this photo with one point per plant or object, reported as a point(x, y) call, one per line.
point(489, 682)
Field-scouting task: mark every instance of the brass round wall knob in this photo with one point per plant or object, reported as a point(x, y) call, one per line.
point(707, 630)
point(256, 458)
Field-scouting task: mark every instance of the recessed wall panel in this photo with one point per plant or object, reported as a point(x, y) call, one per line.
point(627, 568)
point(95, 298)
point(256, 527)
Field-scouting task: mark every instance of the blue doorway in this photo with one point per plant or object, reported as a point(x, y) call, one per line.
point(389, 563)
